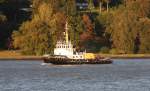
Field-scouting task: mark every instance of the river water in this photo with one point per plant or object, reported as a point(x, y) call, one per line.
point(122, 75)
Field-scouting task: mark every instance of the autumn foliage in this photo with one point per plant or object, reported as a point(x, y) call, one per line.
point(109, 26)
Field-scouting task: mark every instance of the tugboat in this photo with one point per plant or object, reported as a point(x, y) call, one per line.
point(65, 53)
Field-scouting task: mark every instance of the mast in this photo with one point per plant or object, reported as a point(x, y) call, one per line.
point(66, 25)
point(66, 32)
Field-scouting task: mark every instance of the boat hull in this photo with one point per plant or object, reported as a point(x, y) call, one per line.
point(65, 61)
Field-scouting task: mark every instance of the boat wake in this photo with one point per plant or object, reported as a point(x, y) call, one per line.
point(44, 64)
point(48, 64)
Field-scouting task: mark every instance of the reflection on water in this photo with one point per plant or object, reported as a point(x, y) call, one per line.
point(122, 75)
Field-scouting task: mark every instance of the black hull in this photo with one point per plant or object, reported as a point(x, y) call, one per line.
point(66, 61)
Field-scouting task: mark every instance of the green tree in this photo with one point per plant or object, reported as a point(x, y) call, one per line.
point(37, 36)
point(123, 30)
point(75, 28)
point(144, 35)
point(71, 7)
point(140, 7)
point(55, 4)
point(102, 22)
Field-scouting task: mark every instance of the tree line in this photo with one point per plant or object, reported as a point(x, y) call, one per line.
point(106, 26)
point(11, 17)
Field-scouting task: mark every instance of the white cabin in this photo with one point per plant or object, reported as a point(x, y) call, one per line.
point(65, 48)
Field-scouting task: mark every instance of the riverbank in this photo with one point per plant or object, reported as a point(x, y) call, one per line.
point(16, 55)
point(126, 56)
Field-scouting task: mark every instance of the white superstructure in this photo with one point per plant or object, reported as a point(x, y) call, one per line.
point(65, 48)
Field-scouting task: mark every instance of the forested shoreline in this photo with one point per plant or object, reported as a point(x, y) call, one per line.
point(100, 26)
